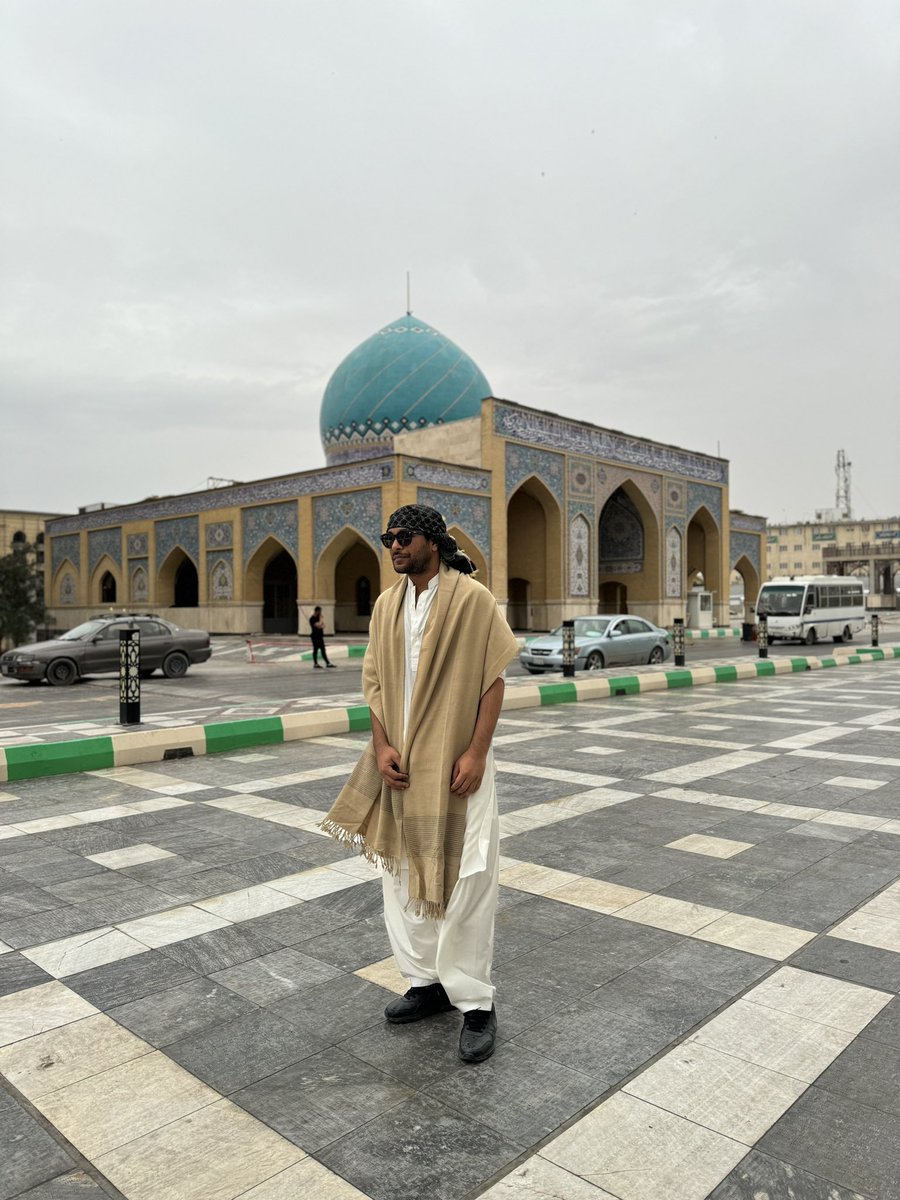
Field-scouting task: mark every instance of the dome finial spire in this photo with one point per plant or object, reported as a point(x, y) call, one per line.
point(408, 300)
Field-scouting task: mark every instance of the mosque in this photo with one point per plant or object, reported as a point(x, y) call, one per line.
point(561, 517)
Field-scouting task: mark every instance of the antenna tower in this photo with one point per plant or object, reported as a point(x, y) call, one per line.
point(842, 489)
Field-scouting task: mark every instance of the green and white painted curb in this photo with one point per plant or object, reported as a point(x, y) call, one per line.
point(132, 748)
point(692, 634)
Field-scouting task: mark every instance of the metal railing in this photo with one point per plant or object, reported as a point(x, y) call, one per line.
point(863, 550)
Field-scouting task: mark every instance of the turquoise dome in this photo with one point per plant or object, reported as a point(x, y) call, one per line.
point(407, 376)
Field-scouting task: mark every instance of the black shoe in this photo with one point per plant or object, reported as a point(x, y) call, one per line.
point(329, 664)
point(479, 1032)
point(318, 666)
point(418, 1002)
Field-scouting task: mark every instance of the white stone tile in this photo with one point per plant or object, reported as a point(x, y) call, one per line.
point(887, 904)
point(665, 912)
point(821, 998)
point(158, 804)
point(385, 974)
point(692, 796)
point(83, 951)
point(870, 929)
point(640, 1152)
point(558, 774)
point(112, 812)
point(108, 1110)
point(531, 877)
point(850, 820)
point(44, 824)
point(798, 812)
point(358, 867)
point(10, 831)
point(767, 938)
point(306, 1180)
point(718, 1091)
point(718, 765)
point(308, 885)
point(778, 1041)
point(850, 781)
point(5, 797)
point(537, 1179)
point(4, 949)
point(217, 1153)
point(697, 843)
point(248, 758)
point(34, 1010)
point(811, 737)
point(246, 903)
point(130, 856)
point(600, 750)
point(596, 895)
point(173, 925)
point(65, 1055)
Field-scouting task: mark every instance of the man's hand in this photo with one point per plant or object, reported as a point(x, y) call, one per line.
point(468, 772)
point(388, 760)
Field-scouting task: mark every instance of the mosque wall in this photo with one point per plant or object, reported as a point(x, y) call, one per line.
point(456, 442)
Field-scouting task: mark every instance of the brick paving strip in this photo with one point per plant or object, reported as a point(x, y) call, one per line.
point(60, 753)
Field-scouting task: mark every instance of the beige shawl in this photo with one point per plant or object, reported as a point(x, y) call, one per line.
point(466, 646)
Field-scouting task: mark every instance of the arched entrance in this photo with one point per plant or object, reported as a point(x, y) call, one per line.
point(356, 575)
point(630, 567)
point(107, 588)
point(704, 555)
point(177, 580)
point(750, 581)
point(467, 546)
point(533, 557)
point(186, 587)
point(279, 587)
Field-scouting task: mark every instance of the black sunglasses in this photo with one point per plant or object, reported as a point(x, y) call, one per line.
point(402, 537)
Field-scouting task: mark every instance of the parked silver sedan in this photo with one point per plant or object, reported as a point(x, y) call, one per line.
point(615, 641)
point(93, 647)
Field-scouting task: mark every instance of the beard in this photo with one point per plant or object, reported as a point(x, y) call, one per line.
point(414, 562)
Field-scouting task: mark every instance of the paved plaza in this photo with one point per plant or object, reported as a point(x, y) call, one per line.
point(697, 966)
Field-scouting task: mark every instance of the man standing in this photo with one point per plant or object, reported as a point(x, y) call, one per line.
point(317, 633)
point(421, 801)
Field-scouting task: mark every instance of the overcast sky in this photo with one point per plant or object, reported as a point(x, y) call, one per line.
point(676, 219)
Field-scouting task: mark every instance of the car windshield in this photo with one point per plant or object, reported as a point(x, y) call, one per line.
point(586, 627)
point(88, 629)
point(781, 601)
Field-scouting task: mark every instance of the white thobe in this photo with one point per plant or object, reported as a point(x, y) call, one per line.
point(458, 949)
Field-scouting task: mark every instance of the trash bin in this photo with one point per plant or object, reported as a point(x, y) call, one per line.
point(749, 632)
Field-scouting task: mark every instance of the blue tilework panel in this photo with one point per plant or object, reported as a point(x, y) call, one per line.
point(471, 514)
point(221, 533)
point(285, 487)
point(220, 564)
point(581, 477)
point(269, 520)
point(621, 535)
point(556, 433)
point(745, 523)
point(710, 497)
point(583, 507)
point(745, 544)
point(183, 532)
point(104, 541)
point(449, 477)
point(65, 547)
point(138, 544)
point(360, 510)
point(138, 580)
point(523, 461)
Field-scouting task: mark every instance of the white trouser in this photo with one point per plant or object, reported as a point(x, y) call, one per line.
point(458, 949)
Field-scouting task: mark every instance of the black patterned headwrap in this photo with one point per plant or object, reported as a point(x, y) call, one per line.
point(422, 519)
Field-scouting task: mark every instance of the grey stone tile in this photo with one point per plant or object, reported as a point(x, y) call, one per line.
point(335, 1010)
point(76, 1185)
point(93, 887)
point(30, 1155)
point(265, 867)
point(321, 1098)
point(86, 839)
point(18, 972)
point(416, 1054)
point(221, 948)
point(603, 1044)
point(160, 869)
point(60, 870)
point(178, 1012)
point(274, 976)
point(885, 1027)
point(805, 903)
point(136, 902)
point(25, 900)
point(353, 903)
point(867, 965)
point(237, 1053)
point(716, 967)
point(129, 979)
point(522, 1002)
point(867, 1072)
point(649, 994)
point(352, 946)
point(712, 891)
point(655, 872)
point(200, 885)
point(421, 1148)
point(827, 1135)
point(519, 1094)
point(45, 927)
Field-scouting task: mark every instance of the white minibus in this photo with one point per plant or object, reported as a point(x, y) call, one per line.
point(809, 608)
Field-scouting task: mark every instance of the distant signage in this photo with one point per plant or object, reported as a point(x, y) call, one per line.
point(888, 535)
point(773, 537)
point(824, 535)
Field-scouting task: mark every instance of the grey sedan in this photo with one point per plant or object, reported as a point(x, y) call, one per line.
point(600, 642)
point(93, 647)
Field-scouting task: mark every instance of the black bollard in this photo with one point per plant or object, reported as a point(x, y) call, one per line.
point(568, 650)
point(874, 629)
point(129, 677)
point(678, 641)
point(762, 635)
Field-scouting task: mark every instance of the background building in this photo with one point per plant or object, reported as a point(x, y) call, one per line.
point(560, 516)
point(870, 549)
point(20, 528)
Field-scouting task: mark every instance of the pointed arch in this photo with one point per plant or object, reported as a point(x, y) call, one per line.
point(704, 552)
point(674, 563)
point(177, 584)
point(255, 568)
point(106, 583)
point(467, 546)
point(348, 575)
point(751, 580)
point(534, 550)
point(629, 551)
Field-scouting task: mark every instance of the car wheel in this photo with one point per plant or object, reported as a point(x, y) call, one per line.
point(594, 661)
point(656, 655)
point(534, 670)
point(175, 665)
point(848, 634)
point(62, 672)
point(811, 637)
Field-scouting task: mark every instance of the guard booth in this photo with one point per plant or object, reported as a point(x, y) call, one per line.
point(699, 609)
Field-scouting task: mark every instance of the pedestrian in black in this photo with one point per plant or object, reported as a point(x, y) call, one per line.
point(317, 633)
